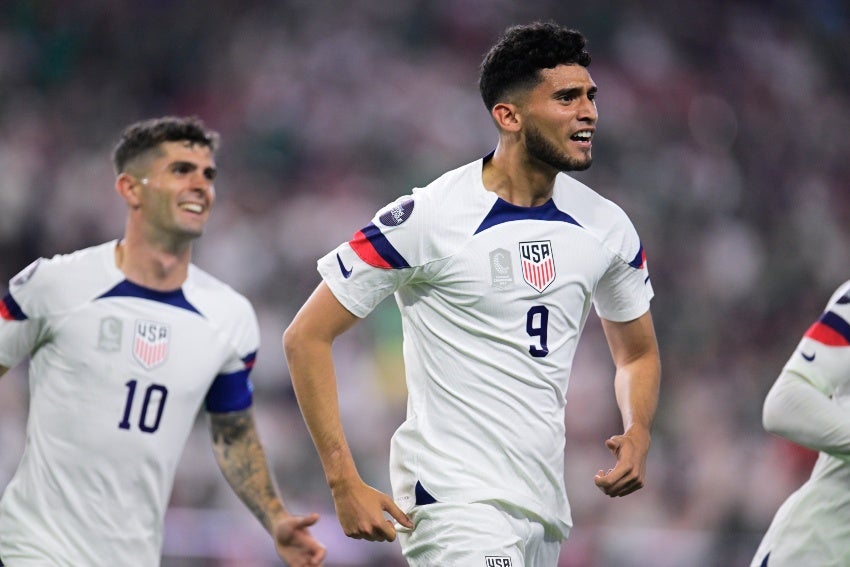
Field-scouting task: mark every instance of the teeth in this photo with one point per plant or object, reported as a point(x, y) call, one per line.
point(192, 207)
point(583, 135)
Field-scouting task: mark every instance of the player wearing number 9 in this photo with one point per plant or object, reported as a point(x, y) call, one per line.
point(127, 341)
point(494, 267)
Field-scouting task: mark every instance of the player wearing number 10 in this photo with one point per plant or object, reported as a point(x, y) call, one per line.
point(127, 340)
point(494, 267)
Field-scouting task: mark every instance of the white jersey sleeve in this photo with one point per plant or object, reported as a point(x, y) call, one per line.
point(808, 404)
point(46, 288)
point(233, 318)
point(624, 292)
point(19, 333)
point(393, 242)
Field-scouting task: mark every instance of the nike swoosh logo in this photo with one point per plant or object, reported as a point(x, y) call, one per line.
point(809, 357)
point(346, 273)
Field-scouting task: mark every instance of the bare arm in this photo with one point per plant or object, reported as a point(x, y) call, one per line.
point(307, 343)
point(243, 462)
point(634, 349)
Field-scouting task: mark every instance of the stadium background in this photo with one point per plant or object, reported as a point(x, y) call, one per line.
point(723, 133)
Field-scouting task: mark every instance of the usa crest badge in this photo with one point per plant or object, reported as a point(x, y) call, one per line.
point(150, 343)
point(538, 263)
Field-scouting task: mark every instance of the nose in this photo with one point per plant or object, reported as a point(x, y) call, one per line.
point(587, 110)
point(202, 184)
point(202, 180)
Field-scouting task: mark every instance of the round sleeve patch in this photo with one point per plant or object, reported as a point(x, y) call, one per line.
point(398, 214)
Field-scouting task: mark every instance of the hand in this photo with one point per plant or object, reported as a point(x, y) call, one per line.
point(294, 543)
point(360, 509)
point(629, 473)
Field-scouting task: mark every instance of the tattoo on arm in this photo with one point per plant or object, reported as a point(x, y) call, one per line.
point(242, 460)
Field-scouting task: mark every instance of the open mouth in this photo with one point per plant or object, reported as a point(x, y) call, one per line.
point(196, 208)
point(582, 136)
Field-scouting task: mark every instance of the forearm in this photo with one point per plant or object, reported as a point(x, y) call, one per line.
point(314, 381)
point(637, 384)
point(634, 350)
point(798, 411)
point(242, 460)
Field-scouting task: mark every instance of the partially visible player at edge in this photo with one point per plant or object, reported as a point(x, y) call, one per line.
point(810, 404)
point(126, 340)
point(494, 267)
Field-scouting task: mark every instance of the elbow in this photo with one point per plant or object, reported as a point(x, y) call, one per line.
point(290, 340)
point(774, 415)
point(769, 422)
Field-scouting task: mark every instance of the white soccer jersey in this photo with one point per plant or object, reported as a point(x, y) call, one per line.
point(117, 375)
point(493, 298)
point(812, 527)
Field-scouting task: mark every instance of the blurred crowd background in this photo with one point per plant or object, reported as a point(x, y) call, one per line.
point(723, 133)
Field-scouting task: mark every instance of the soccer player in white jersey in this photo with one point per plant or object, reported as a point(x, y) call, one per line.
point(127, 340)
point(810, 404)
point(494, 267)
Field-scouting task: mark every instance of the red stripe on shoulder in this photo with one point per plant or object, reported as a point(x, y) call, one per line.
point(366, 251)
point(826, 335)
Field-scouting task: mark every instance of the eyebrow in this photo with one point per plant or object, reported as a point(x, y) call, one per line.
point(574, 92)
point(209, 172)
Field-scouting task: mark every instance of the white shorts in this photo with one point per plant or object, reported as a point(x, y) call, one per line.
point(477, 535)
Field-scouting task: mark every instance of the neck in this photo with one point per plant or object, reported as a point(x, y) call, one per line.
point(153, 267)
point(516, 179)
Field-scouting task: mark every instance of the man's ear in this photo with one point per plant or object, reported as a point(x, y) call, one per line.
point(128, 187)
point(507, 116)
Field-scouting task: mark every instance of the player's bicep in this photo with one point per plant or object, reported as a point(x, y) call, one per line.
point(322, 317)
point(631, 340)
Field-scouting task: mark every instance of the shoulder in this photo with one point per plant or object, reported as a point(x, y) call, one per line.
point(590, 206)
point(429, 223)
point(214, 298)
point(835, 320)
point(65, 280)
point(227, 311)
point(448, 191)
point(603, 218)
point(74, 264)
point(840, 298)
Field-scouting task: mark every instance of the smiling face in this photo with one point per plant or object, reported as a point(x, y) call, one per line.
point(174, 191)
point(558, 118)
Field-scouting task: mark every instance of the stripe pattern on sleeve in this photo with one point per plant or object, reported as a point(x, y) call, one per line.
point(10, 310)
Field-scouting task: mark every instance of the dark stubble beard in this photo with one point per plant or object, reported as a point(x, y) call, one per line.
point(543, 150)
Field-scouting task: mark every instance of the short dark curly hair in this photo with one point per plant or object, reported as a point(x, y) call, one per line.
point(515, 61)
point(142, 137)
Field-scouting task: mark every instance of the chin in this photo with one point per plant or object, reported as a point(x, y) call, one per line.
point(191, 233)
point(583, 165)
point(569, 164)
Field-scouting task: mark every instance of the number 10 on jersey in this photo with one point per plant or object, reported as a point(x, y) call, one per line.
point(150, 412)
